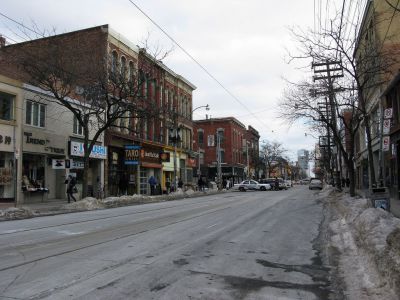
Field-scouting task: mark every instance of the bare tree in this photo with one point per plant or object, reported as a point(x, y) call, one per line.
point(272, 154)
point(99, 90)
point(366, 65)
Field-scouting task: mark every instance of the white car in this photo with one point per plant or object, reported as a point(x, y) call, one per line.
point(252, 185)
point(288, 183)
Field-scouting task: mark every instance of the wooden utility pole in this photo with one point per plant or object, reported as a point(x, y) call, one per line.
point(328, 71)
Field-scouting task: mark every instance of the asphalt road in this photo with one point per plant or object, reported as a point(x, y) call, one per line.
point(252, 245)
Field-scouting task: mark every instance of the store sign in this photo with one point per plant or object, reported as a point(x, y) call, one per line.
point(97, 151)
point(150, 155)
point(58, 164)
point(32, 140)
point(76, 164)
point(5, 139)
point(132, 154)
point(165, 156)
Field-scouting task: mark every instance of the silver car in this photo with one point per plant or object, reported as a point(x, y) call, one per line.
point(252, 185)
point(315, 184)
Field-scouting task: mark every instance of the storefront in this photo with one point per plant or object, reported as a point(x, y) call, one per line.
point(7, 162)
point(169, 169)
point(40, 181)
point(96, 164)
point(150, 165)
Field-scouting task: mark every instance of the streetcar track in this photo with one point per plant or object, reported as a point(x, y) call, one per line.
point(103, 218)
point(113, 239)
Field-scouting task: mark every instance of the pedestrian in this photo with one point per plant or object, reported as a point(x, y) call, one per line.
point(153, 183)
point(99, 193)
point(276, 184)
point(224, 183)
point(71, 189)
point(180, 183)
point(228, 184)
point(200, 183)
point(347, 182)
point(168, 186)
point(123, 185)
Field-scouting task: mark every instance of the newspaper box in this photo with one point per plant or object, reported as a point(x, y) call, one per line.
point(380, 198)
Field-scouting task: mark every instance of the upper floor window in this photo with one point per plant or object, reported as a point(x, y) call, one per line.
point(35, 114)
point(6, 107)
point(114, 59)
point(200, 135)
point(78, 129)
point(131, 71)
point(123, 66)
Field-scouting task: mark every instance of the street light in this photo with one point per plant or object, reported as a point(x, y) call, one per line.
point(207, 107)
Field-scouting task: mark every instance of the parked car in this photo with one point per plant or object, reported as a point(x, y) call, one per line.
point(288, 183)
point(271, 181)
point(252, 185)
point(315, 184)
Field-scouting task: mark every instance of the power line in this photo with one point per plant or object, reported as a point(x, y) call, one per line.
point(197, 62)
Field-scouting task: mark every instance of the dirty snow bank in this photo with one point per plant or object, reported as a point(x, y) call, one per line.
point(13, 213)
point(90, 203)
point(369, 243)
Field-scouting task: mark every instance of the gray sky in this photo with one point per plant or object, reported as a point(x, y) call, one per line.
point(241, 43)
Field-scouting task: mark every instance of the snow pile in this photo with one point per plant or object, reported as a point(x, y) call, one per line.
point(369, 242)
point(13, 213)
point(88, 203)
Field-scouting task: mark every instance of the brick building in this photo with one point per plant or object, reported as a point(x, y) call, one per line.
point(233, 140)
point(159, 99)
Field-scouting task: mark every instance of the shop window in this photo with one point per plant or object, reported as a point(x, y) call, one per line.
point(78, 129)
point(35, 114)
point(33, 170)
point(6, 176)
point(6, 107)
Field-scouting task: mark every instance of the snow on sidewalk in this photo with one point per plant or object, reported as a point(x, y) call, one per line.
point(368, 240)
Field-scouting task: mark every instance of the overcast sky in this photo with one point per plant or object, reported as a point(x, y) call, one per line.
point(240, 42)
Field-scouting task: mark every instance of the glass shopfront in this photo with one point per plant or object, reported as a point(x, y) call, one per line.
point(6, 176)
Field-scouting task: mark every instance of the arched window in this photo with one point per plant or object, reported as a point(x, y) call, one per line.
point(123, 66)
point(131, 71)
point(114, 61)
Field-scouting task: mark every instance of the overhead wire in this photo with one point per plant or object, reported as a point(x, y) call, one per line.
point(198, 64)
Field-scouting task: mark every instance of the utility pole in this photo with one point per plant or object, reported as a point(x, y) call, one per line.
point(219, 171)
point(330, 70)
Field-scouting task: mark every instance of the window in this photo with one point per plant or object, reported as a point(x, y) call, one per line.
point(123, 66)
point(131, 71)
point(114, 58)
point(35, 113)
point(6, 107)
point(78, 129)
point(200, 135)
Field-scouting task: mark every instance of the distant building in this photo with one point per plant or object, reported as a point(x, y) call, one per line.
point(303, 157)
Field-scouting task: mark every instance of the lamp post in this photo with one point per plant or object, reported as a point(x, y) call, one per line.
point(207, 107)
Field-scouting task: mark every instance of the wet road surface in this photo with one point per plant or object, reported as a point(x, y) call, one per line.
point(252, 245)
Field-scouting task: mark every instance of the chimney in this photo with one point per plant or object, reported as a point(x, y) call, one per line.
point(2, 41)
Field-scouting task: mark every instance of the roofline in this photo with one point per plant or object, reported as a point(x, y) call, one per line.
point(221, 120)
point(366, 10)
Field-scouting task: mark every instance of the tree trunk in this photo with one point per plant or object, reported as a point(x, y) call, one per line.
point(352, 179)
point(370, 153)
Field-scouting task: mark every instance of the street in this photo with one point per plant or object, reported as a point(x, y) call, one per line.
point(235, 245)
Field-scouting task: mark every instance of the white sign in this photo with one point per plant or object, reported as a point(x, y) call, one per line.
point(58, 164)
point(77, 164)
point(386, 143)
point(97, 151)
point(388, 113)
point(386, 126)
